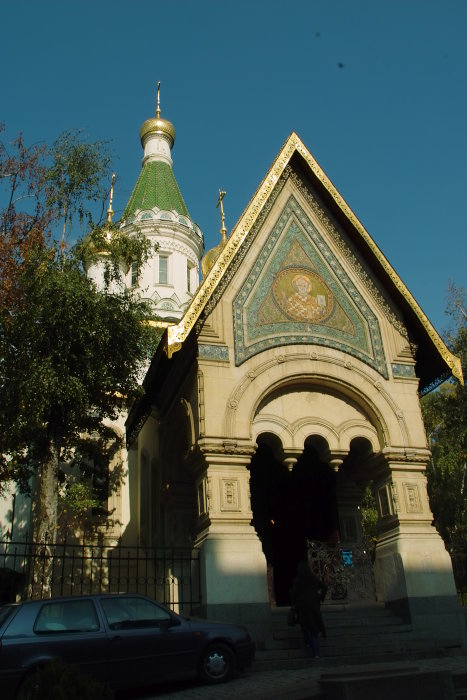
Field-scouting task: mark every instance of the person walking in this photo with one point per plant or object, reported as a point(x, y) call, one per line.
point(307, 594)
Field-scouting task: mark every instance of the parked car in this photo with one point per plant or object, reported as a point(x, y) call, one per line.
point(123, 640)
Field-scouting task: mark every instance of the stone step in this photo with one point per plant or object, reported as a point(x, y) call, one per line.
point(343, 615)
point(411, 656)
point(345, 629)
point(369, 632)
point(459, 680)
point(263, 662)
point(352, 640)
point(347, 649)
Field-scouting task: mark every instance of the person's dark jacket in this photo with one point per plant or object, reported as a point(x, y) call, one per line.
point(308, 592)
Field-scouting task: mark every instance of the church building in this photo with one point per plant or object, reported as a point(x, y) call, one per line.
point(286, 383)
point(289, 382)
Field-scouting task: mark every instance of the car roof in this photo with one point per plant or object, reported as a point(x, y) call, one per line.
point(75, 597)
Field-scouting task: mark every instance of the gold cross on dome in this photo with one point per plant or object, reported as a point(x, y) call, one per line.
point(222, 229)
point(158, 104)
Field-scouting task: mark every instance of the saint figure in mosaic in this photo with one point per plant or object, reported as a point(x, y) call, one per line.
point(302, 295)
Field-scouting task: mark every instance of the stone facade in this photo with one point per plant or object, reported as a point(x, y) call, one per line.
point(292, 383)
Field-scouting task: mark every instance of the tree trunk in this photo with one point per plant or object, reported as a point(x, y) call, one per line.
point(44, 518)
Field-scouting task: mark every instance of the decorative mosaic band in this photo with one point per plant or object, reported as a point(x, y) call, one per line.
point(399, 370)
point(214, 352)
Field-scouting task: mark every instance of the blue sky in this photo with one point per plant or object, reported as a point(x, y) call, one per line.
point(377, 90)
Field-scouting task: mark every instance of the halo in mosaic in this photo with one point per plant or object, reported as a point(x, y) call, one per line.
point(297, 292)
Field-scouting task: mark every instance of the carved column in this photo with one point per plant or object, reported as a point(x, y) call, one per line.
point(413, 569)
point(233, 566)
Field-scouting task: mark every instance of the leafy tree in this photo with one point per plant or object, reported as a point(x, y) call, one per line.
point(24, 217)
point(71, 354)
point(445, 416)
point(369, 515)
point(76, 177)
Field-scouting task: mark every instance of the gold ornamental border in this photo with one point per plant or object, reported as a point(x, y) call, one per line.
point(178, 333)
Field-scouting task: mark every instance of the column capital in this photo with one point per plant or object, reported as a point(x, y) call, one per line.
point(290, 462)
point(336, 459)
point(290, 458)
point(226, 446)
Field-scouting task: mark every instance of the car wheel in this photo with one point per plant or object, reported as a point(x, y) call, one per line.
point(28, 688)
point(217, 664)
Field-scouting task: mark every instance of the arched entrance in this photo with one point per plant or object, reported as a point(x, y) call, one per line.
point(291, 506)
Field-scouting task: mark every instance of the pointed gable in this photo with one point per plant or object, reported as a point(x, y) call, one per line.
point(297, 292)
point(334, 313)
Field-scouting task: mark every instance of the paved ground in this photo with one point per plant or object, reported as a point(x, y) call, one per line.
point(297, 684)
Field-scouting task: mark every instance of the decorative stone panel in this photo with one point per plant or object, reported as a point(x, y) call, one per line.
point(230, 495)
point(413, 502)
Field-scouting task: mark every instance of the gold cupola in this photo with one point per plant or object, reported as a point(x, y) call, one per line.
point(157, 125)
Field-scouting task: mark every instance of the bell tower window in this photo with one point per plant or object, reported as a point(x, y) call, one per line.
point(134, 274)
point(163, 269)
point(189, 277)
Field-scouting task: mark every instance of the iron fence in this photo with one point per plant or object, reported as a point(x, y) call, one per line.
point(169, 575)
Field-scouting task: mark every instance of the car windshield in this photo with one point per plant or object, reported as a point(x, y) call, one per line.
point(5, 612)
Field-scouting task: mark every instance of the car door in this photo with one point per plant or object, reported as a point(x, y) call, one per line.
point(147, 642)
point(69, 630)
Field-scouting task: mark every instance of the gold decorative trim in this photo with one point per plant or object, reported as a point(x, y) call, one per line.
point(177, 334)
point(160, 324)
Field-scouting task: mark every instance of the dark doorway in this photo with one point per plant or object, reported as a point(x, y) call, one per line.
point(290, 508)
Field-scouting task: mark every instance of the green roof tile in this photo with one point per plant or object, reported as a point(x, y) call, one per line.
point(156, 187)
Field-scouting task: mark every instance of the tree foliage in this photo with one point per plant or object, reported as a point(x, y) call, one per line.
point(24, 217)
point(115, 250)
point(71, 354)
point(445, 416)
point(76, 177)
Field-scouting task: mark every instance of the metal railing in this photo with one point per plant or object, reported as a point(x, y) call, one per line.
point(347, 570)
point(169, 575)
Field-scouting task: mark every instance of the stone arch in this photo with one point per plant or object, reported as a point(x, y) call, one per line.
point(258, 384)
point(320, 445)
point(274, 443)
point(297, 411)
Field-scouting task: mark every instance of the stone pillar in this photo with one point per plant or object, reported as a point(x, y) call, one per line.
point(413, 570)
point(233, 566)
